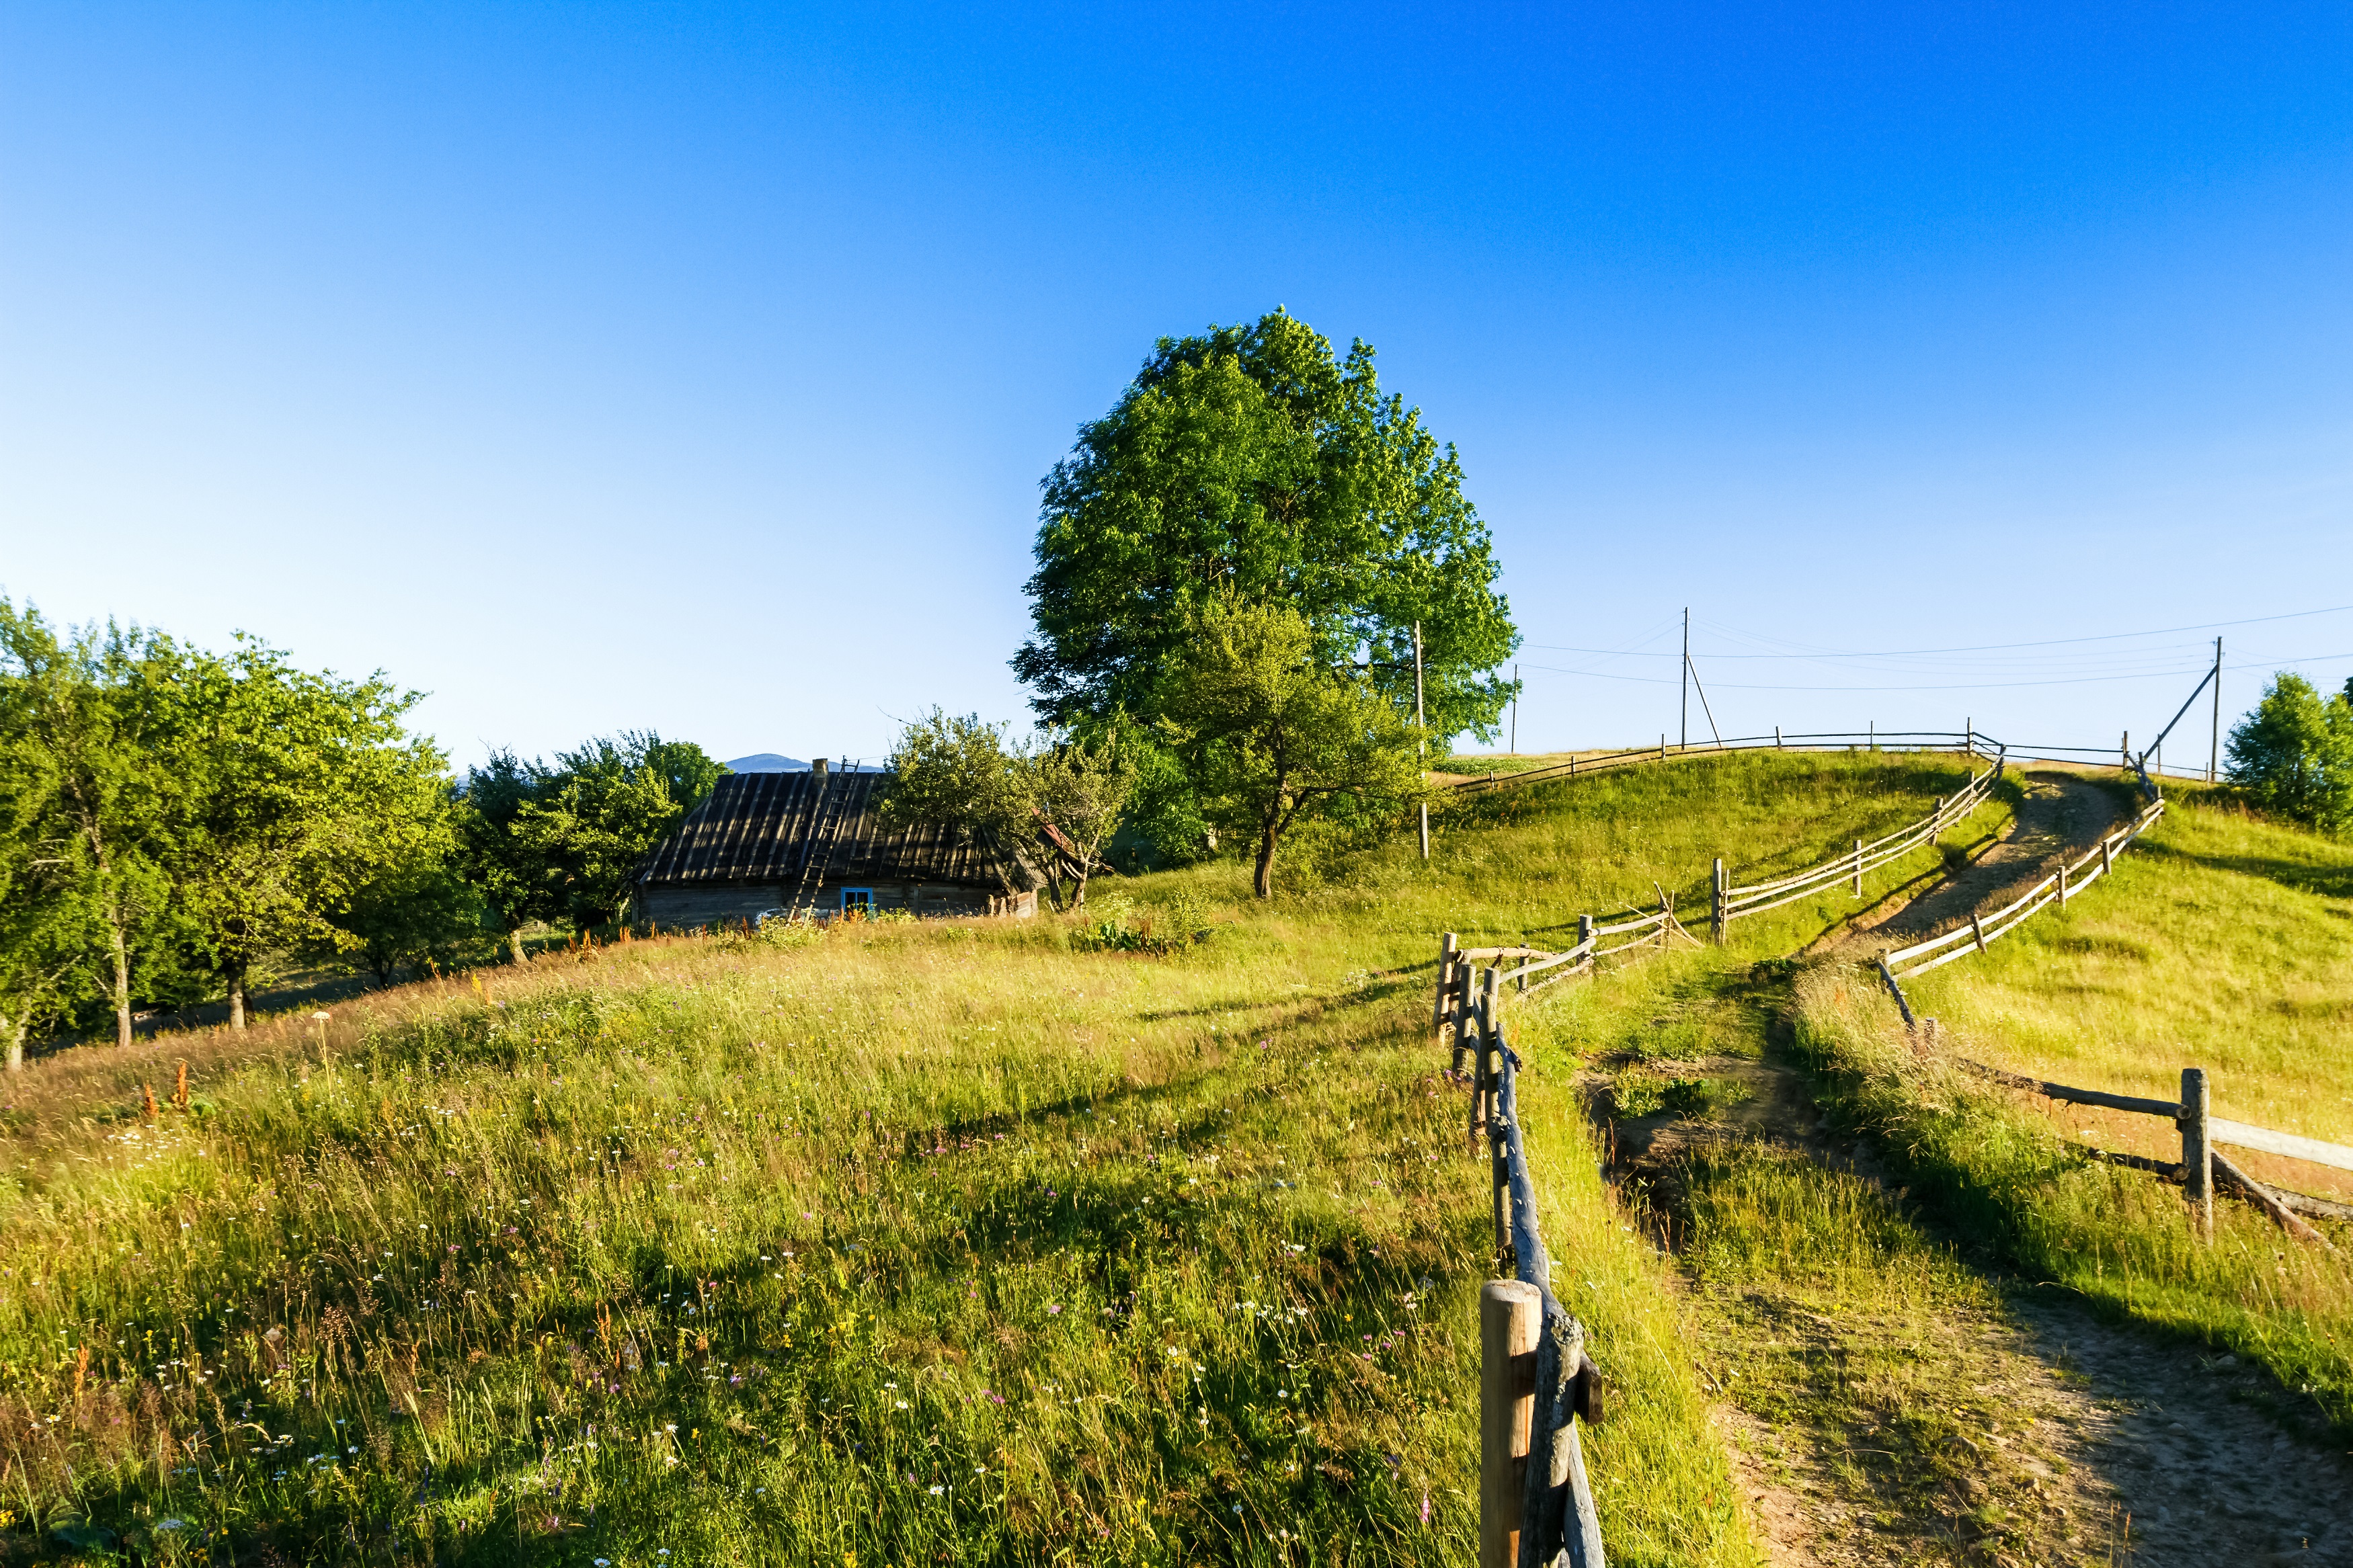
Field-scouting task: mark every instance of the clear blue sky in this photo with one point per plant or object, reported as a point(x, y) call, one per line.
point(594, 367)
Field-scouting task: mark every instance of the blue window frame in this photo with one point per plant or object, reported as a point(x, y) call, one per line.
point(861, 899)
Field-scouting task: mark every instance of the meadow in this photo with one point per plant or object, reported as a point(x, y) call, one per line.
point(958, 1242)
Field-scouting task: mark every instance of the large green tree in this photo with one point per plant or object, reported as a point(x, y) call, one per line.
point(1250, 462)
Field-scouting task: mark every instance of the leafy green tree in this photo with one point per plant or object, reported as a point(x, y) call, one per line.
point(300, 788)
point(543, 844)
point(49, 927)
point(1274, 735)
point(89, 727)
point(2293, 754)
point(1081, 791)
point(416, 908)
point(1249, 463)
point(955, 773)
point(505, 870)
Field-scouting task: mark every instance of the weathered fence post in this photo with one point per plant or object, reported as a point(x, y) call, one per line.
point(1465, 1027)
point(1511, 1312)
point(1902, 1005)
point(2108, 853)
point(1718, 915)
point(2196, 1153)
point(1858, 867)
point(1446, 946)
point(1969, 736)
point(1491, 1051)
point(2062, 884)
point(1584, 934)
point(1977, 929)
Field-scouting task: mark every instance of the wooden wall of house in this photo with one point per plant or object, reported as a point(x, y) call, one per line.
point(724, 903)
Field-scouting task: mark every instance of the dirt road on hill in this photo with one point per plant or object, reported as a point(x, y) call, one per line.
point(2063, 815)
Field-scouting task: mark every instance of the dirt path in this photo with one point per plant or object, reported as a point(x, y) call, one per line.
point(2063, 813)
point(1998, 1424)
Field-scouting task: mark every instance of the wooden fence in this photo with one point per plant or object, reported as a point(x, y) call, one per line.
point(1731, 903)
point(1535, 1379)
point(1970, 740)
point(2070, 880)
point(2201, 1160)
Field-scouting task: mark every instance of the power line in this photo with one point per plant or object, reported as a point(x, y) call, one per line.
point(1960, 686)
point(1637, 651)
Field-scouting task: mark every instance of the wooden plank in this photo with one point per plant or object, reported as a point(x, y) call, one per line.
point(2133, 1103)
point(2261, 1196)
point(2239, 1135)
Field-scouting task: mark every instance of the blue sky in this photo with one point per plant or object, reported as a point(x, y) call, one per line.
point(695, 367)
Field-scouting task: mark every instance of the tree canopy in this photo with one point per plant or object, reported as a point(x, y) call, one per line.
point(2293, 754)
point(1251, 463)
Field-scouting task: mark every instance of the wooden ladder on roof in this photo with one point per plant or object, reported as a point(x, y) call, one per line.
point(817, 852)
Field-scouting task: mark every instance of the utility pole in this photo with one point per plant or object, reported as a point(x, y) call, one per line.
point(1683, 742)
point(1421, 729)
point(1515, 709)
point(2214, 755)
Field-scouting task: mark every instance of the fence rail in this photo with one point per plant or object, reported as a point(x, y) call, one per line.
point(2200, 1162)
point(1970, 741)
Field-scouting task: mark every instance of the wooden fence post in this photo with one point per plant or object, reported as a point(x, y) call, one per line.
point(1858, 867)
point(1447, 943)
point(1510, 1314)
point(1465, 1027)
point(1718, 915)
point(1584, 934)
point(1977, 929)
point(2108, 853)
point(2062, 884)
point(2196, 1153)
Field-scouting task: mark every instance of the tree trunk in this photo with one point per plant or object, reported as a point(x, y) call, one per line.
point(1080, 878)
point(236, 995)
point(121, 974)
point(17, 1044)
point(1263, 884)
point(514, 944)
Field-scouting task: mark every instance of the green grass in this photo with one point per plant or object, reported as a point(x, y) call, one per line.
point(915, 1244)
point(1843, 1326)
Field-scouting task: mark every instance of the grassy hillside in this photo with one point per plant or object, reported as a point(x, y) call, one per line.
point(2220, 942)
point(2224, 942)
point(939, 1243)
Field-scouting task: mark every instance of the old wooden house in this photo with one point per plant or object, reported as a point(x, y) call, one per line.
point(814, 843)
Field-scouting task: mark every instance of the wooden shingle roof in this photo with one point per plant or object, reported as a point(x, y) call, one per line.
point(764, 827)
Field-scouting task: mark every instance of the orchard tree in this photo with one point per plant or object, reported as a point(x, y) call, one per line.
point(1081, 791)
point(299, 790)
point(88, 722)
point(1272, 735)
point(542, 844)
point(1248, 463)
point(502, 868)
point(955, 773)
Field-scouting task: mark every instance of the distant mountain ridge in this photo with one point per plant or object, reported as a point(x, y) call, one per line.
point(771, 762)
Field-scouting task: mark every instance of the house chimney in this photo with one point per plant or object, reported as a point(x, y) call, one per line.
point(816, 769)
